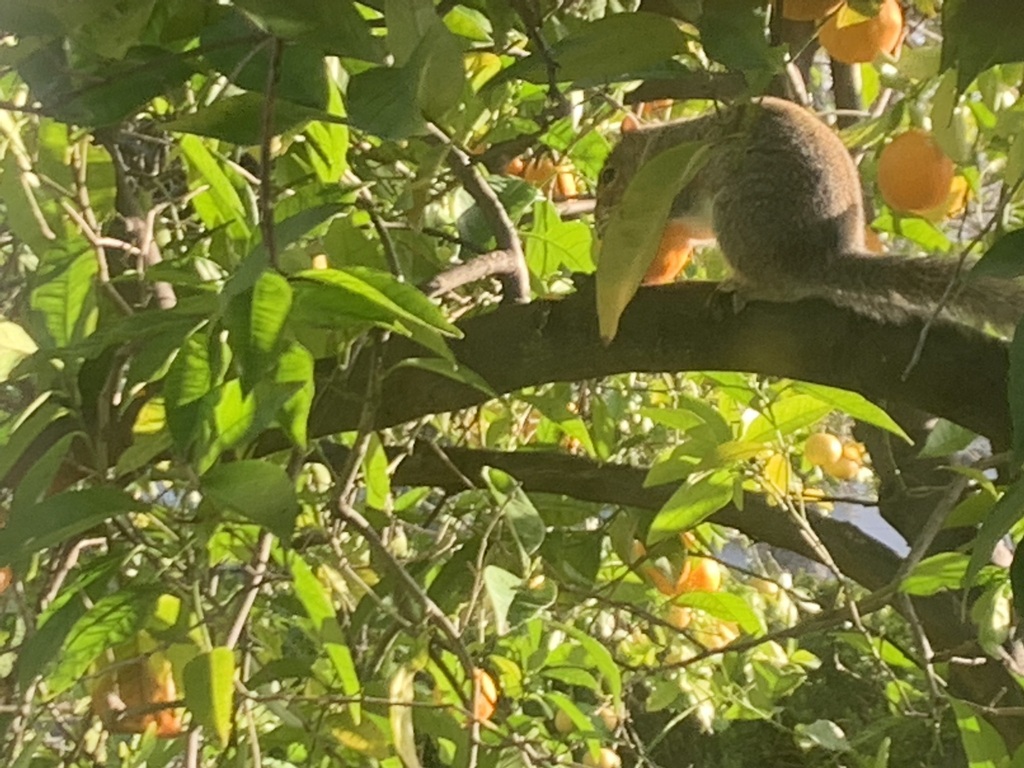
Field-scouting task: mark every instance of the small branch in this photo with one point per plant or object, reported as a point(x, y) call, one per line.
point(493, 264)
point(266, 200)
point(256, 579)
point(517, 283)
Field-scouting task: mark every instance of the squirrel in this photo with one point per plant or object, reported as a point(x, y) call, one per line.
point(782, 195)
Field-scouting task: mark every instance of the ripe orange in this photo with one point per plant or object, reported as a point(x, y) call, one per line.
point(705, 575)
point(864, 40)
point(540, 171)
point(914, 174)
point(485, 695)
point(808, 10)
point(823, 448)
point(609, 758)
point(843, 468)
point(674, 252)
point(6, 577)
point(954, 204)
point(515, 166)
point(679, 616)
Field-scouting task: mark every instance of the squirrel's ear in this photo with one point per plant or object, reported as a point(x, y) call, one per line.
point(629, 123)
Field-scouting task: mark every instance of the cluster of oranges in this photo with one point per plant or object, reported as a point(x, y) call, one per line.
point(840, 459)
point(555, 179)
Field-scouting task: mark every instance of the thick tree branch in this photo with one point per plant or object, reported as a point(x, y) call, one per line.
point(961, 374)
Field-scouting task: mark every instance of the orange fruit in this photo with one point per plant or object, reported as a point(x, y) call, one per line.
point(914, 174)
point(705, 575)
point(718, 635)
point(674, 252)
point(808, 10)
point(540, 171)
point(6, 577)
point(863, 41)
point(515, 166)
point(485, 695)
point(679, 616)
point(565, 185)
point(823, 448)
point(608, 758)
point(843, 468)
point(651, 109)
point(955, 202)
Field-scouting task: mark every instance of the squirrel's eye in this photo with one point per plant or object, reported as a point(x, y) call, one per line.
point(607, 176)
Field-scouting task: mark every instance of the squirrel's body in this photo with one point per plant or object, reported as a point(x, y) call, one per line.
point(782, 196)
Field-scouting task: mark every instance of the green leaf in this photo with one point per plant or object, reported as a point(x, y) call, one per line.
point(233, 45)
point(1005, 259)
point(553, 243)
point(189, 379)
point(316, 602)
point(983, 745)
point(216, 200)
point(210, 691)
point(327, 294)
point(286, 232)
point(599, 657)
point(334, 26)
point(437, 64)
point(410, 299)
point(517, 509)
point(501, 587)
point(232, 420)
point(239, 119)
point(61, 518)
point(786, 416)
point(732, 33)
point(257, 490)
point(697, 499)
point(67, 299)
point(111, 621)
point(375, 473)
point(725, 606)
point(382, 102)
point(271, 302)
point(1004, 515)
point(15, 346)
point(609, 49)
point(944, 571)
point(634, 229)
point(295, 368)
point(946, 438)
point(449, 369)
point(39, 415)
point(857, 406)
point(978, 35)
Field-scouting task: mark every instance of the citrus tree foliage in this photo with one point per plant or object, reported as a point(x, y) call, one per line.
point(282, 488)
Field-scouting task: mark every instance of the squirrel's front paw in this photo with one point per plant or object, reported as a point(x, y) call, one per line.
point(727, 299)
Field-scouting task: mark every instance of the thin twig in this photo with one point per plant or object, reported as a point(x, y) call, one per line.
point(266, 200)
point(256, 579)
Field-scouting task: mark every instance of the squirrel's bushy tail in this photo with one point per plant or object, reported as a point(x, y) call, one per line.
point(897, 287)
